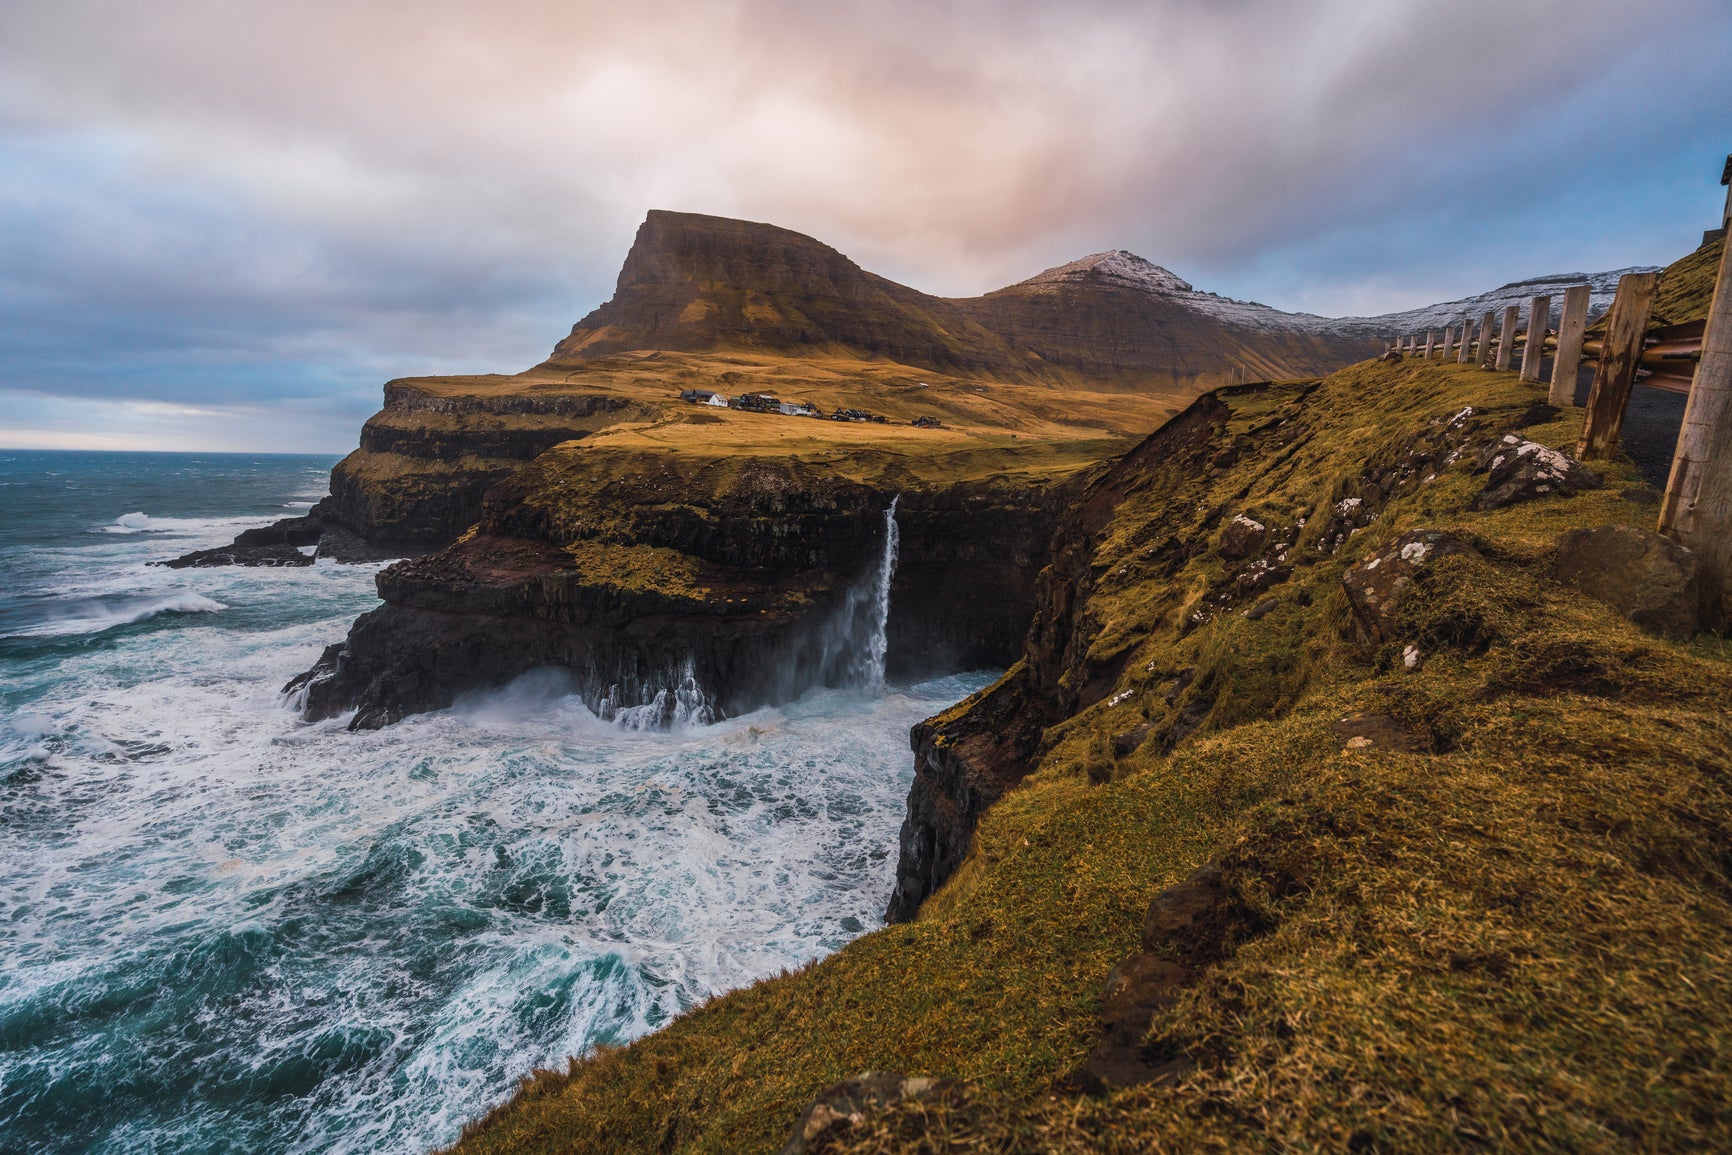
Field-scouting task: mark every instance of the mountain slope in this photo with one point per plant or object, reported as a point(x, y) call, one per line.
point(695, 283)
point(1472, 874)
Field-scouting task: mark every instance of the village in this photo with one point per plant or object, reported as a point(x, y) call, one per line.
point(765, 403)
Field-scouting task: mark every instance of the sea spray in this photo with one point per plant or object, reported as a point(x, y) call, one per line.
point(257, 934)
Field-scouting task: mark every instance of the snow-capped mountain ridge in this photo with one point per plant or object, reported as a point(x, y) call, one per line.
point(1121, 268)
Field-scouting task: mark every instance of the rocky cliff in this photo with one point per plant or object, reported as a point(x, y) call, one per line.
point(682, 574)
point(1358, 787)
point(439, 444)
point(708, 302)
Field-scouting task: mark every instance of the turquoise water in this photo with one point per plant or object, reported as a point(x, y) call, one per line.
point(222, 929)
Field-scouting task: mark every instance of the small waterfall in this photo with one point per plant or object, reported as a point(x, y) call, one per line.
point(855, 640)
point(846, 651)
point(879, 640)
point(679, 701)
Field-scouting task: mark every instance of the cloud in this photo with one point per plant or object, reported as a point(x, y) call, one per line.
point(203, 201)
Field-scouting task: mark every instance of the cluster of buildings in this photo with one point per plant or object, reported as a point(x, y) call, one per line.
point(764, 403)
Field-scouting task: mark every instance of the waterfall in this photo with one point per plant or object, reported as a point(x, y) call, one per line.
point(878, 641)
point(845, 650)
point(677, 701)
point(855, 639)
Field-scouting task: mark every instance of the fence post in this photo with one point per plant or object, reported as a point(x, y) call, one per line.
point(1430, 344)
point(1539, 320)
point(1485, 324)
point(1572, 327)
point(1448, 342)
point(1466, 353)
point(1626, 325)
point(1698, 506)
point(1506, 340)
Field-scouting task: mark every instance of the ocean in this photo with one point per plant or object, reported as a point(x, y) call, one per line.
point(223, 929)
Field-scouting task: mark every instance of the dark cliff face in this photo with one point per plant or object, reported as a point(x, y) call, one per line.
point(649, 576)
point(426, 460)
point(966, 760)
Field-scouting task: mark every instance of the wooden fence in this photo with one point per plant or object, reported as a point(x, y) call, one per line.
point(1693, 358)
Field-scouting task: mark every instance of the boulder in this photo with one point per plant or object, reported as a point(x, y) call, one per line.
point(1376, 586)
point(1522, 470)
point(347, 546)
point(1261, 609)
point(1127, 743)
point(846, 1105)
point(1136, 991)
point(255, 555)
point(1242, 537)
point(1651, 580)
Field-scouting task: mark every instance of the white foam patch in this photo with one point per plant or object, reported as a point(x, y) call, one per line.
point(401, 923)
point(138, 522)
point(93, 615)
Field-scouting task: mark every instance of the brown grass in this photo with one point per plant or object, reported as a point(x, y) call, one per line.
point(1519, 942)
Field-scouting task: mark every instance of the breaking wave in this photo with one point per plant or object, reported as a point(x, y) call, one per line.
point(131, 523)
point(64, 617)
point(254, 934)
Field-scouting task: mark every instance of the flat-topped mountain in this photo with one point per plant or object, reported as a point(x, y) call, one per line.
point(695, 283)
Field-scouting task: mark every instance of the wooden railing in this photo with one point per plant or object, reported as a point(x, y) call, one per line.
point(1693, 358)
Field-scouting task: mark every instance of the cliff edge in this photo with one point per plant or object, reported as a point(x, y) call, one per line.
point(1360, 785)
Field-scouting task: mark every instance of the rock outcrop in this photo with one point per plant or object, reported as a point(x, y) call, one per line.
point(1651, 580)
point(269, 556)
point(639, 574)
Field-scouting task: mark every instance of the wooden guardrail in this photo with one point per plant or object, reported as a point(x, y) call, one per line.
point(1666, 359)
point(1694, 358)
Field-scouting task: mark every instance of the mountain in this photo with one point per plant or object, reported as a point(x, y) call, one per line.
point(1447, 314)
point(695, 283)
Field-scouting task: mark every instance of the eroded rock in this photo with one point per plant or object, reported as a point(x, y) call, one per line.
point(1243, 537)
point(1376, 586)
point(1522, 470)
point(249, 555)
point(304, 530)
point(1651, 580)
point(1188, 926)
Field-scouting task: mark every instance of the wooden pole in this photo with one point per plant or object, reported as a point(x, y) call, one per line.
point(1466, 353)
point(1512, 315)
point(1539, 320)
point(1448, 342)
point(1485, 324)
point(1430, 344)
point(1571, 328)
point(1698, 507)
point(1616, 372)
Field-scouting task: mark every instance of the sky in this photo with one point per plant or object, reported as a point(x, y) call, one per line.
point(224, 224)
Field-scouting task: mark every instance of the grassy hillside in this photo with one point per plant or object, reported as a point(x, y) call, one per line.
point(1512, 929)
